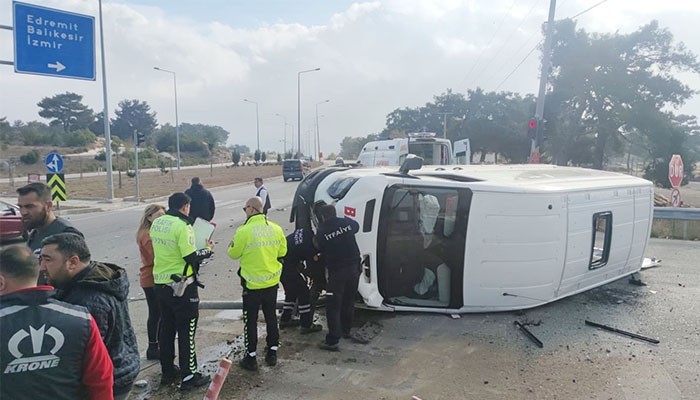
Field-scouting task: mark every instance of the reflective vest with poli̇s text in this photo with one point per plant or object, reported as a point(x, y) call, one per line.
point(259, 243)
point(173, 239)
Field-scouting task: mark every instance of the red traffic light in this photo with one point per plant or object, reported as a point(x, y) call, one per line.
point(533, 124)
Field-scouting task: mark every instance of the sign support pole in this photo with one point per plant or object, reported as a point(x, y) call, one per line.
point(105, 113)
point(136, 163)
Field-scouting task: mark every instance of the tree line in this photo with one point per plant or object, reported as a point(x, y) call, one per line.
point(609, 97)
point(73, 124)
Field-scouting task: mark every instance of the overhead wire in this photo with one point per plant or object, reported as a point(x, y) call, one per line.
point(498, 29)
point(506, 42)
point(538, 43)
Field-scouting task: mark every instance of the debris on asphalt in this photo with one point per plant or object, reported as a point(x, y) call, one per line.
point(620, 331)
point(529, 334)
point(366, 332)
point(142, 383)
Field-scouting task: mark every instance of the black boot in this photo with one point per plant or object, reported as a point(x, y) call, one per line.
point(153, 352)
point(249, 363)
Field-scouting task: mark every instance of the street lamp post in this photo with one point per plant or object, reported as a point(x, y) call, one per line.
point(177, 122)
point(257, 121)
point(318, 134)
point(285, 131)
point(299, 105)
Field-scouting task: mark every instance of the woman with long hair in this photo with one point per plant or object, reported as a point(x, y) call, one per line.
point(143, 239)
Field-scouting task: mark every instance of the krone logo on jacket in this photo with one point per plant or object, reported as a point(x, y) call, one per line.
point(35, 353)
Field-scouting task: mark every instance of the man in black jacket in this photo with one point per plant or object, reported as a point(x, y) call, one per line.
point(202, 202)
point(102, 288)
point(335, 239)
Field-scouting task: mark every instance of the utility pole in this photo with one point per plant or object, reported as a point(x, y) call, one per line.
point(546, 64)
point(444, 123)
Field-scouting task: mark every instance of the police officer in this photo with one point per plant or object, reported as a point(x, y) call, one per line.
point(259, 244)
point(335, 239)
point(300, 248)
point(175, 268)
point(48, 349)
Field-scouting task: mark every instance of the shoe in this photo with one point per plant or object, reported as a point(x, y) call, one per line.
point(153, 352)
point(271, 357)
point(310, 329)
point(329, 347)
point(196, 380)
point(289, 323)
point(249, 363)
point(170, 377)
point(347, 335)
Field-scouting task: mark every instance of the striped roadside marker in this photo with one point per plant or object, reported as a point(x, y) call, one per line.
point(218, 379)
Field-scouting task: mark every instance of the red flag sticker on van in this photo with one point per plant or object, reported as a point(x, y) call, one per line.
point(349, 211)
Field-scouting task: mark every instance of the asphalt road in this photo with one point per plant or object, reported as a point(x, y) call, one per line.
point(476, 356)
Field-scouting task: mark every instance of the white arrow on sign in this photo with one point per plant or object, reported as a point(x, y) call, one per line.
point(53, 164)
point(58, 66)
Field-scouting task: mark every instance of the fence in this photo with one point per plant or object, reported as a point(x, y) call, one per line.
point(674, 215)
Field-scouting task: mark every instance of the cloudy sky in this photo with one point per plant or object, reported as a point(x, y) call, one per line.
point(373, 56)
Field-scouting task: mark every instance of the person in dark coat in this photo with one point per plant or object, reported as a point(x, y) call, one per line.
point(102, 288)
point(202, 203)
point(300, 249)
point(335, 239)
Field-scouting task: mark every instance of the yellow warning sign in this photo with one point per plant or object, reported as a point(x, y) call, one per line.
point(58, 186)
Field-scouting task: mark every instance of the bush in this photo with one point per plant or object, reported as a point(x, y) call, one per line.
point(102, 156)
point(30, 158)
point(79, 138)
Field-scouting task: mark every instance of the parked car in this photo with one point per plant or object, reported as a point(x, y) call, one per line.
point(11, 226)
point(294, 169)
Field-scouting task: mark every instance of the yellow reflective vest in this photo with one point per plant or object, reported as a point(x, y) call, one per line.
point(173, 239)
point(259, 243)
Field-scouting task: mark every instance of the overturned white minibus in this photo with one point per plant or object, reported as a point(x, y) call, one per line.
point(459, 239)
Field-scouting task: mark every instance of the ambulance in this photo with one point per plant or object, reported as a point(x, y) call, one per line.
point(481, 238)
point(433, 151)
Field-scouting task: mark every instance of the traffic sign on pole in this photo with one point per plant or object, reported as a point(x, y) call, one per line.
point(53, 42)
point(675, 170)
point(57, 182)
point(54, 162)
point(675, 197)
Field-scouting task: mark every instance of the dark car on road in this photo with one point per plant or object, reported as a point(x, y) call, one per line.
point(11, 226)
point(294, 169)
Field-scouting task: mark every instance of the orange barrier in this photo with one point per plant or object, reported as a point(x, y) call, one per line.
point(218, 379)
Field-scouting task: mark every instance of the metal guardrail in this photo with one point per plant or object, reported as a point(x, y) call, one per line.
point(683, 214)
point(678, 214)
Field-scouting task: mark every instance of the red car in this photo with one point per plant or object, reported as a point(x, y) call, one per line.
point(11, 226)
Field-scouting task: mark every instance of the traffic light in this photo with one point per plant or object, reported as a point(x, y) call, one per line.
point(532, 129)
point(140, 138)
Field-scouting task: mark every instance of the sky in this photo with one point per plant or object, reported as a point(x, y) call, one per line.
point(374, 57)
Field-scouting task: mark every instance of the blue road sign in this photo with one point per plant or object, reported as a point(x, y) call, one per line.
point(54, 163)
point(53, 42)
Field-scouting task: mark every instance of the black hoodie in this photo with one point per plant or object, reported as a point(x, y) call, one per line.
point(103, 288)
point(202, 204)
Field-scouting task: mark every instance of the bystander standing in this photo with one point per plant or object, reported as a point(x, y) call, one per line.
point(101, 287)
point(143, 240)
point(202, 202)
